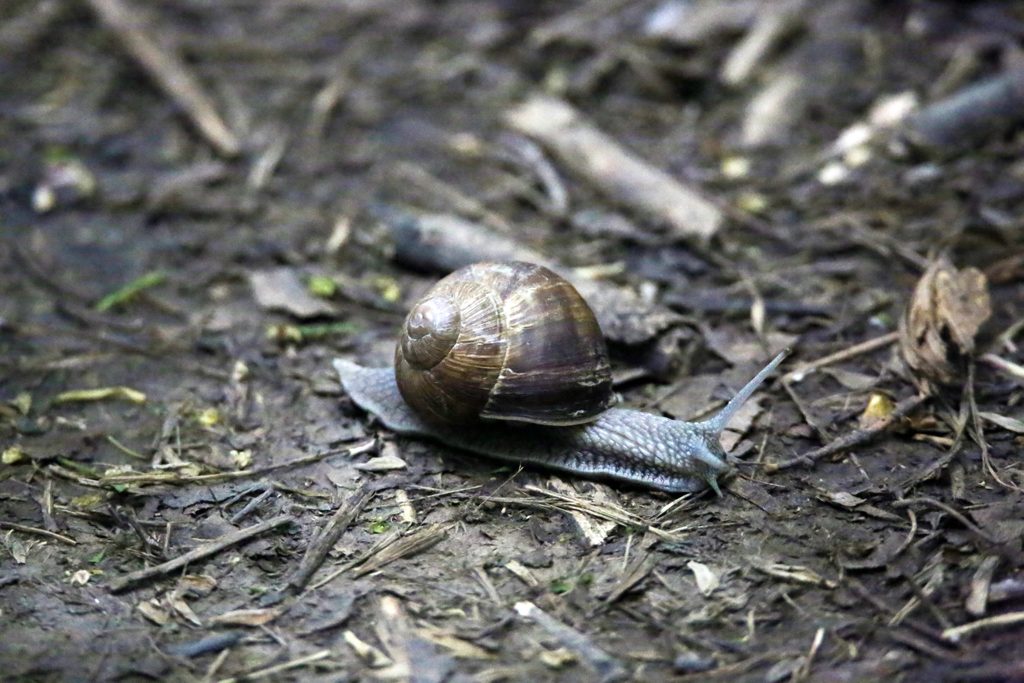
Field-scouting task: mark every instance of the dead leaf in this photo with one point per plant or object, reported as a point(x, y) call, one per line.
point(939, 325)
point(707, 580)
point(282, 290)
point(382, 463)
point(854, 381)
point(1009, 423)
point(80, 577)
point(842, 498)
point(154, 611)
point(460, 648)
point(878, 410)
point(196, 584)
point(741, 422)
point(179, 605)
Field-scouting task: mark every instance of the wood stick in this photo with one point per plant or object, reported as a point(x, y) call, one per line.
point(317, 551)
point(39, 532)
point(169, 72)
point(132, 579)
point(608, 668)
point(957, 632)
point(798, 373)
point(615, 171)
point(854, 438)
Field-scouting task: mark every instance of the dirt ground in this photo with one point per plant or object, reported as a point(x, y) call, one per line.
point(198, 210)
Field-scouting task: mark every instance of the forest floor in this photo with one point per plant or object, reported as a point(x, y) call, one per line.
point(200, 208)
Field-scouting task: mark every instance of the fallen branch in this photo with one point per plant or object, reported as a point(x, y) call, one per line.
point(854, 438)
point(131, 580)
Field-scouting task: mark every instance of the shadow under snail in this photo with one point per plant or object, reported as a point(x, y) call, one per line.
point(507, 360)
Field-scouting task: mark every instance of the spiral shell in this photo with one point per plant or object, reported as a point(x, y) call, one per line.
point(503, 341)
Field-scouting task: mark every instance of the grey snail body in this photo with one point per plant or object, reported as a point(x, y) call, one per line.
point(539, 393)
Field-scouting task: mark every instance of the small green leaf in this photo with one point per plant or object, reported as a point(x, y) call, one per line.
point(379, 526)
point(322, 286)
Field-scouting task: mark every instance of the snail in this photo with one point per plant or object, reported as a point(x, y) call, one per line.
point(507, 360)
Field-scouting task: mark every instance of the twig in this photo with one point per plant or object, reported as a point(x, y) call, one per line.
point(403, 546)
point(173, 478)
point(169, 72)
point(251, 505)
point(772, 26)
point(979, 432)
point(618, 173)
point(608, 668)
point(798, 374)
point(957, 632)
point(805, 669)
point(854, 438)
point(38, 532)
point(132, 579)
point(278, 668)
point(21, 31)
point(318, 548)
point(1009, 367)
point(951, 511)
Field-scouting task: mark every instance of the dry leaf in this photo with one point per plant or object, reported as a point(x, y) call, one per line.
point(707, 580)
point(460, 648)
point(154, 611)
point(944, 314)
point(196, 584)
point(878, 409)
point(281, 289)
point(381, 463)
point(179, 605)
point(1009, 423)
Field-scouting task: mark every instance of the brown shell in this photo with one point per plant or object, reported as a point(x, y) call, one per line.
point(504, 341)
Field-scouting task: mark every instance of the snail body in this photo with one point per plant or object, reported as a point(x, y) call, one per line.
point(506, 360)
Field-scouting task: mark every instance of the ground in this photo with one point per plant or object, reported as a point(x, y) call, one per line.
point(207, 279)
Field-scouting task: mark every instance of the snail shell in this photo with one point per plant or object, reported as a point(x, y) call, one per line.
point(503, 341)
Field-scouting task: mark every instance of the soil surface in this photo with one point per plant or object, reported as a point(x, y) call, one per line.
point(183, 260)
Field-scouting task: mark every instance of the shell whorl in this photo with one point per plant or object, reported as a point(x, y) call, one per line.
point(503, 341)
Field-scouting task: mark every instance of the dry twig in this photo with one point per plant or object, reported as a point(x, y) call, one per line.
point(617, 172)
point(123, 583)
point(854, 438)
point(326, 539)
point(169, 72)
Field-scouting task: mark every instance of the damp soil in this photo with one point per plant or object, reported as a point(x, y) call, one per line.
point(169, 313)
